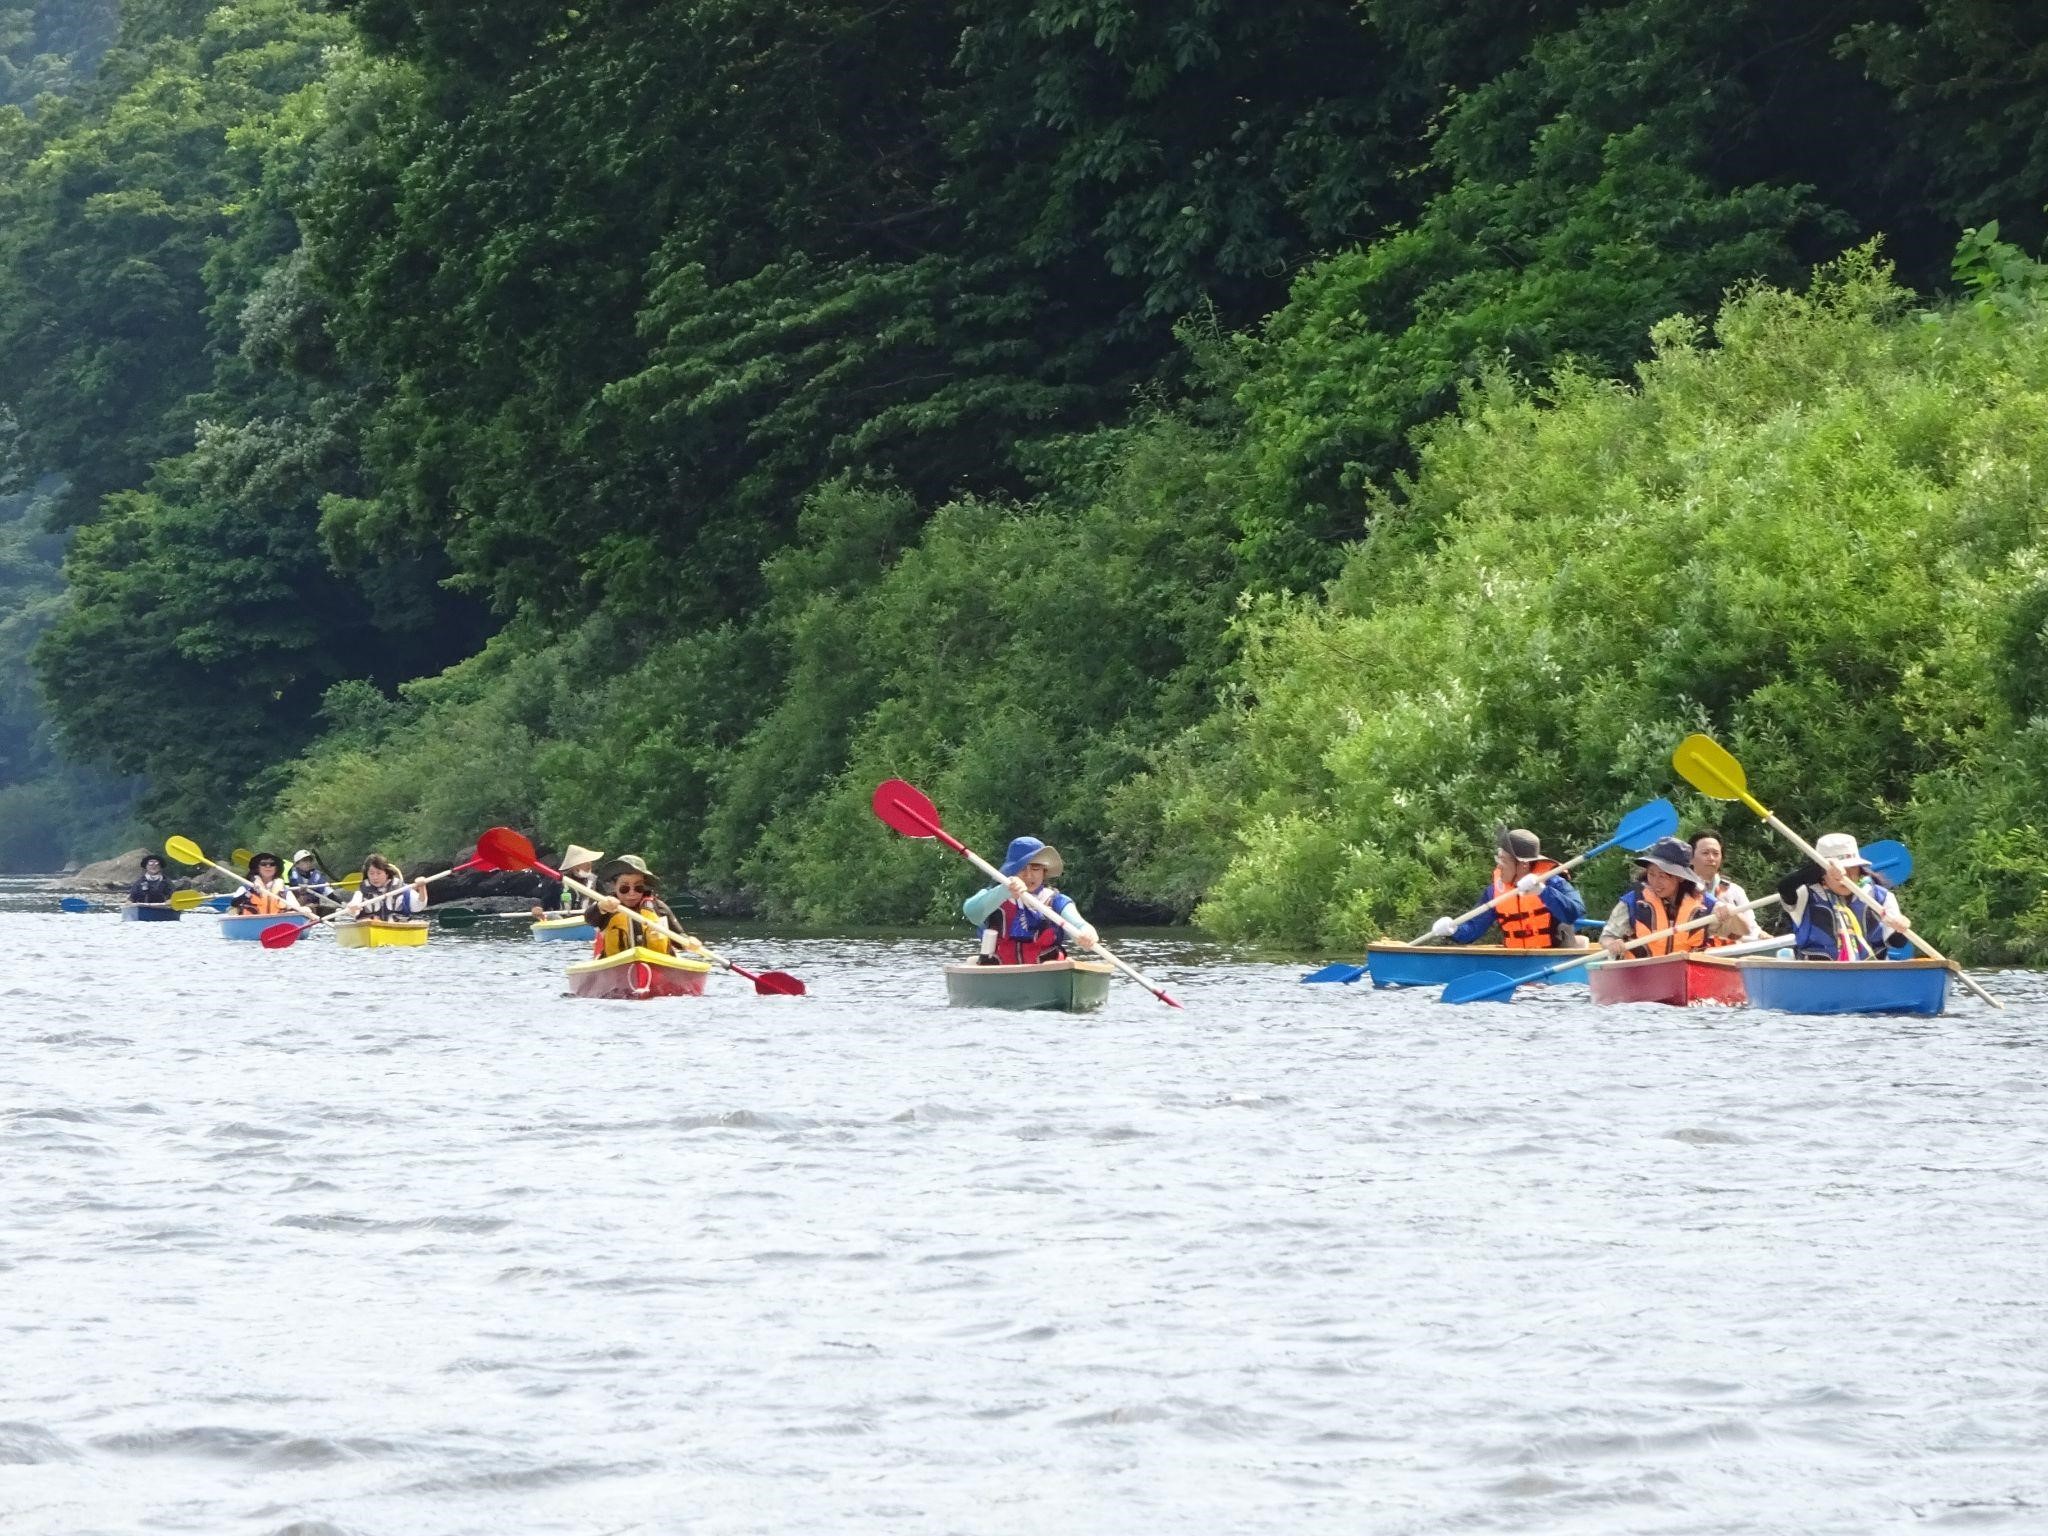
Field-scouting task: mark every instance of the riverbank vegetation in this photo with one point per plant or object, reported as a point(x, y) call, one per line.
point(1256, 446)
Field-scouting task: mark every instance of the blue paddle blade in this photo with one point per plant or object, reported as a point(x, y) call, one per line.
point(1891, 862)
point(1646, 823)
point(75, 904)
point(1336, 973)
point(219, 903)
point(1479, 987)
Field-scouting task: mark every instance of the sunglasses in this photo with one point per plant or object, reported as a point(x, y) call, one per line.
point(623, 888)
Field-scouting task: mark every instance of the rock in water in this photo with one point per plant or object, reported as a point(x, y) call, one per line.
point(115, 874)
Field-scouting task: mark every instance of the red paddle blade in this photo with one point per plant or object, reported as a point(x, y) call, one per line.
point(502, 848)
point(281, 935)
point(906, 808)
point(778, 984)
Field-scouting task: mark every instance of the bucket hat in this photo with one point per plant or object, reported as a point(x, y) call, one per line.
point(1673, 856)
point(1518, 843)
point(1029, 850)
point(1840, 848)
point(633, 862)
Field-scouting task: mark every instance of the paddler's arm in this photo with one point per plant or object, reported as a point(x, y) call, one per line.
point(1621, 927)
point(982, 905)
point(1473, 929)
point(1064, 905)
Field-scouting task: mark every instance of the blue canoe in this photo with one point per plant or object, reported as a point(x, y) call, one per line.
point(1431, 965)
point(1845, 986)
point(130, 913)
point(246, 926)
point(558, 930)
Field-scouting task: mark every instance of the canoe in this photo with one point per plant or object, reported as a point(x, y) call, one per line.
point(1679, 980)
point(1431, 965)
point(238, 925)
point(380, 933)
point(639, 973)
point(573, 929)
point(1845, 986)
point(1065, 986)
point(131, 913)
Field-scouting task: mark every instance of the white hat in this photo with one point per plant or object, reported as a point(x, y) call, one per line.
point(1840, 848)
point(302, 855)
point(575, 856)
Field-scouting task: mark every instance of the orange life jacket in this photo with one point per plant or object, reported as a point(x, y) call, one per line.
point(1525, 923)
point(1651, 918)
point(1025, 938)
point(258, 901)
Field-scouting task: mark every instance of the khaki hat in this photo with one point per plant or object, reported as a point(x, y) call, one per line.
point(302, 855)
point(635, 863)
point(1840, 848)
point(575, 856)
point(1519, 843)
point(1674, 857)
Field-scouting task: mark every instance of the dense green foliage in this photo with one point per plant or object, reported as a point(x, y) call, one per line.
point(981, 391)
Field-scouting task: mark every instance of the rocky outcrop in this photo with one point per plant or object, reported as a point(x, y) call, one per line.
point(115, 874)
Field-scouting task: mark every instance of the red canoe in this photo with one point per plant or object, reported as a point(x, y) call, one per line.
point(1674, 979)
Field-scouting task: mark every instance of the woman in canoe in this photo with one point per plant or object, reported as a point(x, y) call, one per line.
point(635, 889)
point(1832, 919)
point(1011, 932)
point(384, 892)
point(153, 888)
point(1671, 894)
point(1533, 901)
point(579, 864)
point(264, 892)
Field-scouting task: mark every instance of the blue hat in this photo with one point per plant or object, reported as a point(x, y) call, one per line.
point(1029, 850)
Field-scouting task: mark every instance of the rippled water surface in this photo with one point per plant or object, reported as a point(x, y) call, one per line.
point(410, 1244)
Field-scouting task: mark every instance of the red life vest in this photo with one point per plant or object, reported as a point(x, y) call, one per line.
point(1025, 938)
point(1525, 923)
point(1651, 918)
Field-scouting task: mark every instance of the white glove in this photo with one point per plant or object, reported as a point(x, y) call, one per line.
point(1529, 884)
point(1442, 928)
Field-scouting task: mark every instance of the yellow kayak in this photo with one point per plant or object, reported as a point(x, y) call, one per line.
point(379, 933)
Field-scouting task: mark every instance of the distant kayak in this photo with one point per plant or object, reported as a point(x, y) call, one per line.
point(380, 933)
point(132, 913)
point(1064, 986)
point(244, 925)
point(1432, 965)
point(571, 929)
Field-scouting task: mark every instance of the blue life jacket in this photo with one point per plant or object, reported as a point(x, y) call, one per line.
point(1816, 936)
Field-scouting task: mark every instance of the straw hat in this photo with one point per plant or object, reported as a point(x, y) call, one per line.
point(575, 856)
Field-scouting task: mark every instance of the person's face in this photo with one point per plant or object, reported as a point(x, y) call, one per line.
point(1706, 857)
point(266, 869)
point(1662, 883)
point(1508, 867)
point(1035, 876)
point(152, 867)
point(1838, 881)
point(376, 878)
point(631, 890)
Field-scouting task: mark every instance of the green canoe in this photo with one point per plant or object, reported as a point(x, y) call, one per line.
point(1068, 986)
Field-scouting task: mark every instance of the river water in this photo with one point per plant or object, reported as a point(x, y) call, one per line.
point(411, 1244)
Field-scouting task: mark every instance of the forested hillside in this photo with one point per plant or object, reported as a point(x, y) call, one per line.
point(1206, 432)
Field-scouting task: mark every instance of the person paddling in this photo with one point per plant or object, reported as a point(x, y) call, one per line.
point(153, 888)
point(635, 888)
point(309, 881)
point(1833, 919)
point(384, 892)
point(264, 892)
point(1706, 864)
point(579, 864)
point(1013, 934)
point(1535, 903)
point(1671, 894)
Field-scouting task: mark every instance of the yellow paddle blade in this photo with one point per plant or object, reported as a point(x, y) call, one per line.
point(350, 882)
point(1707, 766)
point(182, 850)
point(240, 858)
point(185, 901)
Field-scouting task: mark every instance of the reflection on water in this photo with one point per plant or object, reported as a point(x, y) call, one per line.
point(408, 1242)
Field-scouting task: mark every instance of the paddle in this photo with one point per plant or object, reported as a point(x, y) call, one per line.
point(503, 848)
point(463, 917)
point(908, 810)
point(285, 935)
point(1712, 770)
point(182, 850)
point(239, 857)
point(1637, 830)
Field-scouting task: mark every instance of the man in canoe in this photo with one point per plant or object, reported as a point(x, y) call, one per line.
point(1671, 894)
point(153, 888)
point(1535, 903)
point(1706, 864)
point(309, 881)
point(635, 888)
point(1830, 917)
point(1011, 932)
point(579, 864)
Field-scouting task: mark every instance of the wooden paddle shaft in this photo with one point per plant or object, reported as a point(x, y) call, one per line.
point(1876, 908)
